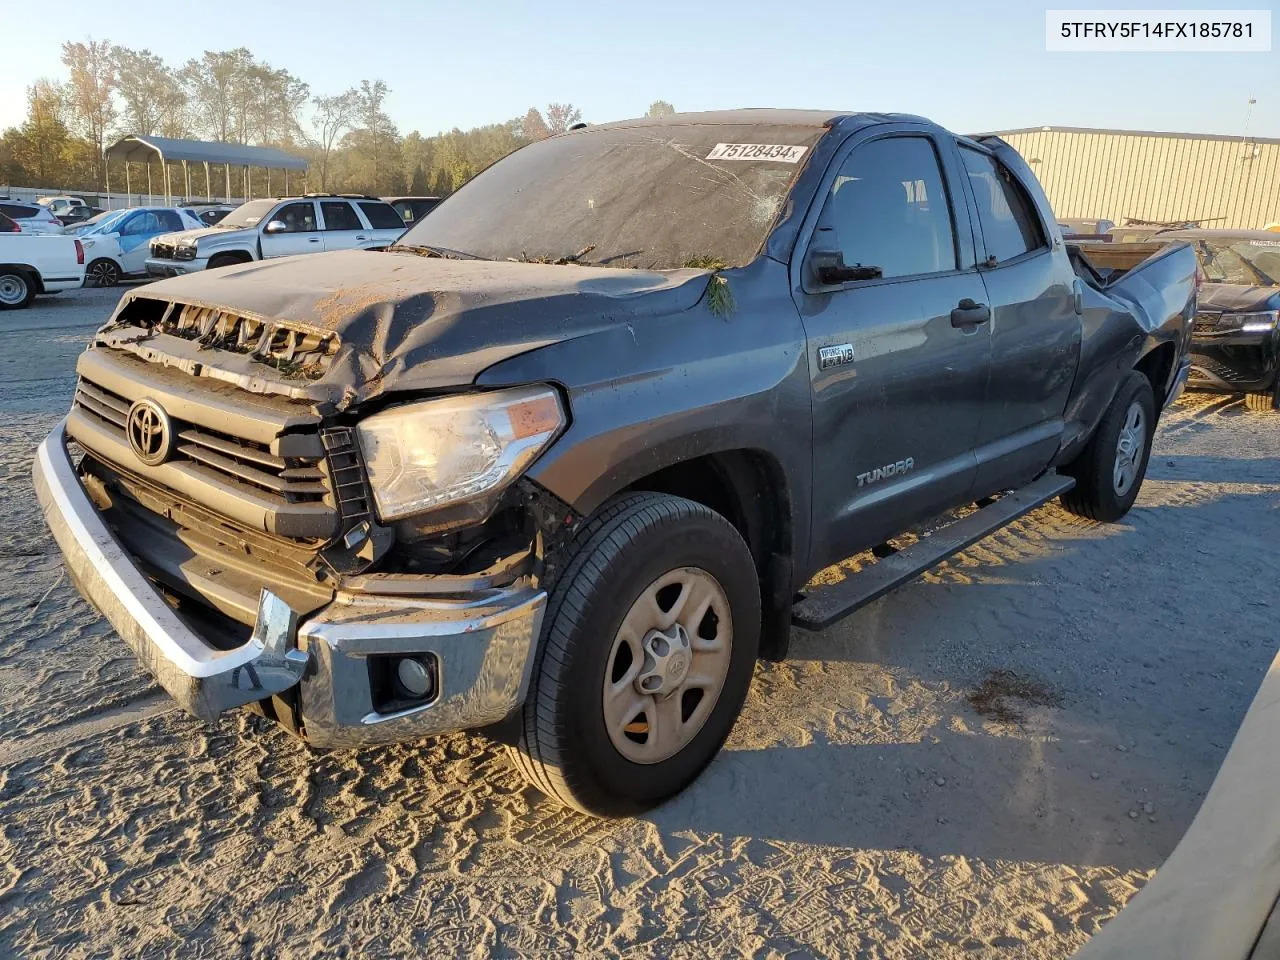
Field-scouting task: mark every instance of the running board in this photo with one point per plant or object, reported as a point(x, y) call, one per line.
point(824, 606)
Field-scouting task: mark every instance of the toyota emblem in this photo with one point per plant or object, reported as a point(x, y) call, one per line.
point(150, 432)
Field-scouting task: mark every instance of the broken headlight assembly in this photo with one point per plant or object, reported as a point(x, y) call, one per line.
point(1263, 322)
point(452, 451)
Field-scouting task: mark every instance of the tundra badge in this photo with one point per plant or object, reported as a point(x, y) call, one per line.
point(835, 355)
point(888, 470)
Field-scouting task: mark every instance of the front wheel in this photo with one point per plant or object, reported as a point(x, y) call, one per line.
point(102, 272)
point(16, 290)
point(647, 652)
point(1110, 469)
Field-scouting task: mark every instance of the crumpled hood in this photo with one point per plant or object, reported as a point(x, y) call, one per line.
point(188, 238)
point(1238, 298)
point(408, 322)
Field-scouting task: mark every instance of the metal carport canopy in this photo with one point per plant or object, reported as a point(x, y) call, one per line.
point(169, 149)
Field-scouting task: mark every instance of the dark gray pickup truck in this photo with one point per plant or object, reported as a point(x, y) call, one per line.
point(561, 462)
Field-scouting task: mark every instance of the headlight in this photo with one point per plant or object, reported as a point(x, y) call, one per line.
point(184, 253)
point(455, 449)
point(1263, 322)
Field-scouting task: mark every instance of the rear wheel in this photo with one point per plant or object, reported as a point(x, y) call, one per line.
point(16, 289)
point(648, 648)
point(102, 272)
point(1110, 469)
point(1264, 402)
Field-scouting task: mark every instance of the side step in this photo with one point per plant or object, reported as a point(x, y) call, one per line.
point(825, 605)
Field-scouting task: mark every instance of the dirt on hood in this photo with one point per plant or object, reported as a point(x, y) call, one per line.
point(408, 322)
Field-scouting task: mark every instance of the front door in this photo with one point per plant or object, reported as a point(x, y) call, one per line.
point(899, 357)
point(301, 233)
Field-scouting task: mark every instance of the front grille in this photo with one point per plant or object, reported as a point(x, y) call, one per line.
point(243, 462)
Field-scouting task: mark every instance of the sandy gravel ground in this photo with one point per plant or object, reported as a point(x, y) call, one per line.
point(864, 807)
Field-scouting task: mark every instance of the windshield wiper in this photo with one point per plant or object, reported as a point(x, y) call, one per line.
point(422, 250)
point(562, 261)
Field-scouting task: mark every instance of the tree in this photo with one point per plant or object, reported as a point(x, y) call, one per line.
point(333, 117)
point(561, 116)
point(91, 85)
point(532, 126)
point(216, 86)
point(38, 149)
point(377, 133)
point(146, 86)
point(660, 108)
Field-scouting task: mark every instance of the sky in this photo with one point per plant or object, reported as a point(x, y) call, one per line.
point(971, 67)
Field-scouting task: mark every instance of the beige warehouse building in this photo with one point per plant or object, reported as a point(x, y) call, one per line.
point(1118, 174)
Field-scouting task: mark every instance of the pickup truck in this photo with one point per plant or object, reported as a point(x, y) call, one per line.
point(32, 264)
point(561, 462)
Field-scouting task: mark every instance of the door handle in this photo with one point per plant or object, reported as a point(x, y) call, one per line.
point(362, 239)
point(313, 239)
point(970, 314)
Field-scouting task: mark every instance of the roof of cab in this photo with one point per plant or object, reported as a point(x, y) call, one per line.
point(764, 116)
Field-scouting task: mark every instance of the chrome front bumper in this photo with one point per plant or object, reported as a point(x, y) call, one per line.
point(158, 267)
point(484, 644)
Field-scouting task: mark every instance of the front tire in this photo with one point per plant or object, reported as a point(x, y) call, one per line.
point(16, 289)
point(1110, 470)
point(647, 652)
point(102, 272)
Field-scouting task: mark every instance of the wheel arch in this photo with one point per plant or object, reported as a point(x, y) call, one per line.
point(33, 275)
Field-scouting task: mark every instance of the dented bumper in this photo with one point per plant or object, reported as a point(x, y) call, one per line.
point(482, 645)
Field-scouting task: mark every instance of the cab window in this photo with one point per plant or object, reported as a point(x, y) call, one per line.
point(297, 217)
point(1009, 223)
point(888, 208)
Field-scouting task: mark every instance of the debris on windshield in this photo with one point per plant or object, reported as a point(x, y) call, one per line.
point(719, 296)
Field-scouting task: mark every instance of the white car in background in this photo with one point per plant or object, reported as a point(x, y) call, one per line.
point(116, 246)
point(31, 264)
point(31, 217)
point(279, 227)
point(59, 206)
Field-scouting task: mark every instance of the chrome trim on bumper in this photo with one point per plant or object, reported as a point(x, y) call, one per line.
point(159, 267)
point(204, 680)
point(484, 645)
point(484, 641)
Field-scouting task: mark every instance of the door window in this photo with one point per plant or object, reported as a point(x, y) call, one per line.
point(888, 208)
point(170, 220)
point(338, 215)
point(140, 225)
point(1010, 226)
point(383, 217)
point(297, 217)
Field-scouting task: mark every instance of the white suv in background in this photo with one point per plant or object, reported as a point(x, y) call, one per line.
point(281, 227)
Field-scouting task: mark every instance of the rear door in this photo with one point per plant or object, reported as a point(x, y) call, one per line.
point(899, 362)
point(385, 221)
point(137, 233)
point(1035, 330)
point(301, 233)
point(343, 229)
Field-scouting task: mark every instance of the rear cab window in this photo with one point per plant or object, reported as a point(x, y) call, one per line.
point(1010, 226)
point(382, 217)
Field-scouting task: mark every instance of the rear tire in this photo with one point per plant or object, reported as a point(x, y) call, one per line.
point(1110, 470)
point(102, 272)
point(17, 289)
point(1264, 402)
point(612, 732)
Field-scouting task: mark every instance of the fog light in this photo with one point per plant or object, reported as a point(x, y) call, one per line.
point(416, 679)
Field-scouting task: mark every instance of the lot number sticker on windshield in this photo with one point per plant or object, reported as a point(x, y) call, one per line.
point(781, 152)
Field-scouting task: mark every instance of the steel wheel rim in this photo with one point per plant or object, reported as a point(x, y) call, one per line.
point(1129, 447)
point(13, 289)
point(667, 665)
point(103, 274)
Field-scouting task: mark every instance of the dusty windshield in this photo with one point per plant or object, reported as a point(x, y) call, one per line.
point(656, 197)
point(1255, 263)
point(247, 214)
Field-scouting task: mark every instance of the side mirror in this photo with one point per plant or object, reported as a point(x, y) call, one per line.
point(275, 226)
point(829, 269)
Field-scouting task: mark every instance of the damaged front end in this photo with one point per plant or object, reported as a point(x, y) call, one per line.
point(221, 515)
